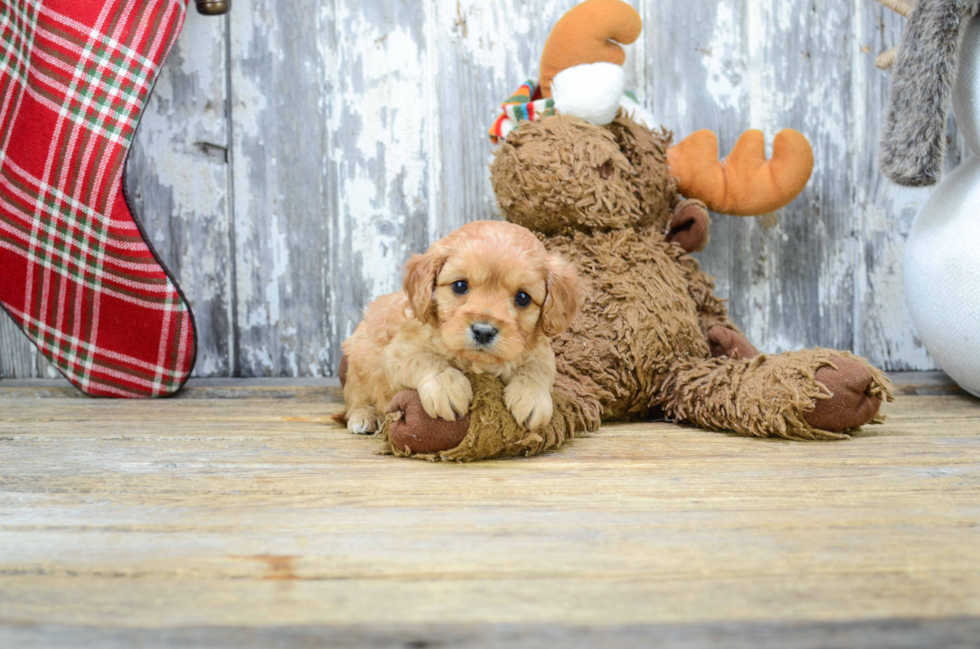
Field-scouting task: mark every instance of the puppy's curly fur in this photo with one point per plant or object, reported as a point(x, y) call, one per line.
point(486, 299)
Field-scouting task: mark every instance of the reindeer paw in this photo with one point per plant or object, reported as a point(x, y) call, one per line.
point(727, 342)
point(414, 430)
point(856, 397)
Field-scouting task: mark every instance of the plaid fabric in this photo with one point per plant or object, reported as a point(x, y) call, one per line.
point(525, 105)
point(76, 273)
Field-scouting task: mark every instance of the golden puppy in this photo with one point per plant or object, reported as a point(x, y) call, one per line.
point(486, 298)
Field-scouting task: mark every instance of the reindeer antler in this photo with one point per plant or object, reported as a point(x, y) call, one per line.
point(886, 59)
point(586, 34)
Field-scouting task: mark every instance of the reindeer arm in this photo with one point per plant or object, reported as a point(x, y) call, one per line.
point(721, 334)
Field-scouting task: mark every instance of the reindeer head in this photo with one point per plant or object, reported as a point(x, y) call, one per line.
point(590, 167)
point(563, 173)
point(595, 160)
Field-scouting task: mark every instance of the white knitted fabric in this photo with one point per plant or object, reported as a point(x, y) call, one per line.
point(942, 255)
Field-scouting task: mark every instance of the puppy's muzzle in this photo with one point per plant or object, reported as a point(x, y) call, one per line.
point(483, 334)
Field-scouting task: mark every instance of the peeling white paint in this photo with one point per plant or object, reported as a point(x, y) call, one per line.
point(491, 34)
point(380, 115)
point(723, 60)
point(251, 96)
point(279, 248)
point(180, 165)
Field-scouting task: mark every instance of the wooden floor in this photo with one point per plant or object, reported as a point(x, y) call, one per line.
point(240, 515)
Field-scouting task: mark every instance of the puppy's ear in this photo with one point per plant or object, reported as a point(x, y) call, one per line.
point(420, 282)
point(562, 301)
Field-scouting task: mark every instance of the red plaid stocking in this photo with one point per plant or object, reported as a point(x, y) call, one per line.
point(76, 271)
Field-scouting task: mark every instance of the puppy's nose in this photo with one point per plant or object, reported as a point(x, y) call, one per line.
point(483, 333)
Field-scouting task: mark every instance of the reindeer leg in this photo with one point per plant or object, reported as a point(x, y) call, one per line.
point(811, 394)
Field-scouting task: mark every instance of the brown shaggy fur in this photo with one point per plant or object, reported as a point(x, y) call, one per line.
point(494, 433)
point(766, 396)
point(602, 198)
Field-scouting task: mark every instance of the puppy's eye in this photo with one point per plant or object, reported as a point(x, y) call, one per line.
point(522, 299)
point(460, 287)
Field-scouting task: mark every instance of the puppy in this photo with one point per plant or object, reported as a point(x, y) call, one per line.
point(484, 299)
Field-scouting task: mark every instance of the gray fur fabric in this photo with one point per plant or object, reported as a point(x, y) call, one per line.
point(913, 139)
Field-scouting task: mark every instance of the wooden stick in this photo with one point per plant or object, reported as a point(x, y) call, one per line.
point(886, 59)
point(903, 7)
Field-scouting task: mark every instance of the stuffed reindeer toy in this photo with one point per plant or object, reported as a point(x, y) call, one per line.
point(580, 167)
point(937, 63)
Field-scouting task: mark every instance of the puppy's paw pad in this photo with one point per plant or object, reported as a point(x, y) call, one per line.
point(362, 421)
point(531, 405)
point(446, 395)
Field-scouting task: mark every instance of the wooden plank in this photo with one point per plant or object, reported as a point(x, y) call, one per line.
point(280, 83)
point(384, 161)
point(774, 65)
point(485, 51)
point(328, 388)
point(800, 281)
point(262, 513)
point(353, 131)
point(178, 182)
point(16, 351)
point(258, 602)
point(322, 389)
point(885, 210)
point(924, 383)
point(946, 632)
point(692, 63)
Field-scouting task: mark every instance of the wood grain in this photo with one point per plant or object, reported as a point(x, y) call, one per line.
point(884, 210)
point(178, 181)
point(17, 354)
point(903, 633)
point(261, 513)
point(296, 153)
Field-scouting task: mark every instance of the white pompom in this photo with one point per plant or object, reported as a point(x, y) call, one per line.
point(591, 91)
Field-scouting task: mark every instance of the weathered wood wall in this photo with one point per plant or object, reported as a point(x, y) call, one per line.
point(296, 152)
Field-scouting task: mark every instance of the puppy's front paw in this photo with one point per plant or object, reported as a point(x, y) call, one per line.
point(362, 420)
point(530, 404)
point(446, 394)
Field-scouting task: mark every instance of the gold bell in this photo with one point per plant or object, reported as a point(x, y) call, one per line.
point(213, 7)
